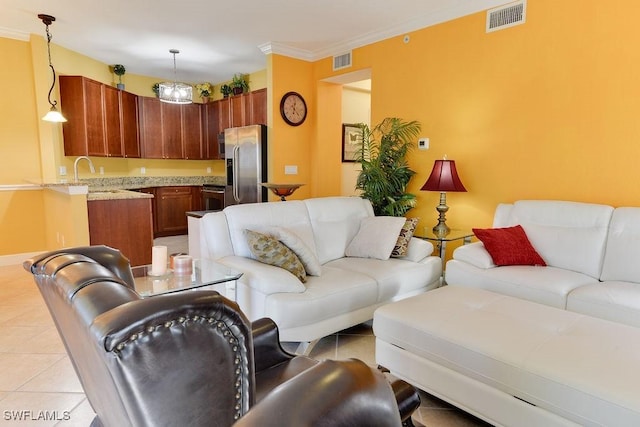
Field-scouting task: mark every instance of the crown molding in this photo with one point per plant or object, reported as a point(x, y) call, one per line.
point(286, 50)
point(14, 34)
point(446, 14)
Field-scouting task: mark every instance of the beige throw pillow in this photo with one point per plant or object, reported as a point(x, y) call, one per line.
point(376, 238)
point(270, 251)
point(406, 233)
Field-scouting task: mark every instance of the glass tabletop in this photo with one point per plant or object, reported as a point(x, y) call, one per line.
point(205, 273)
point(453, 234)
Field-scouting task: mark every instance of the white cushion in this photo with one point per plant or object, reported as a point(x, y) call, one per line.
point(291, 214)
point(474, 254)
point(580, 367)
point(418, 250)
point(612, 300)
point(567, 235)
point(545, 285)
point(623, 246)
point(215, 234)
point(376, 237)
point(335, 221)
point(394, 276)
point(334, 293)
point(267, 279)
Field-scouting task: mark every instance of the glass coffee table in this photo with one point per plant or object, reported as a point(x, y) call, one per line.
point(206, 274)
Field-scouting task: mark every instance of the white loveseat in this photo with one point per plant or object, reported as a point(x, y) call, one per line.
point(520, 345)
point(347, 291)
point(591, 252)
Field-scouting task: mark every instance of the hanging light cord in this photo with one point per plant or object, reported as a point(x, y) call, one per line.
point(53, 71)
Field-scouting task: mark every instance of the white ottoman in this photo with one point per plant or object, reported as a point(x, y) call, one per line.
point(510, 361)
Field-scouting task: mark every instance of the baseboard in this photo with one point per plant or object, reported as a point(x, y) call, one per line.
point(17, 259)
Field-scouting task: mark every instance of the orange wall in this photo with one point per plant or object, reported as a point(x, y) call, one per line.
point(292, 145)
point(543, 110)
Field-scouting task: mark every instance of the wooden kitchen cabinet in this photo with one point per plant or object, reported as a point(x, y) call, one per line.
point(258, 107)
point(124, 224)
point(170, 131)
point(192, 130)
point(240, 110)
point(172, 203)
point(211, 129)
point(102, 120)
point(224, 109)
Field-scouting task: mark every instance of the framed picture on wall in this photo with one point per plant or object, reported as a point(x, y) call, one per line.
point(351, 142)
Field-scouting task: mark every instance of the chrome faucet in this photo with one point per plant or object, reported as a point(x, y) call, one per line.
point(75, 166)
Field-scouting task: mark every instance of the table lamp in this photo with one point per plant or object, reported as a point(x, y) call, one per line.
point(443, 178)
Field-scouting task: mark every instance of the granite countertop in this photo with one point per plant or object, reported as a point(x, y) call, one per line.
point(137, 182)
point(116, 195)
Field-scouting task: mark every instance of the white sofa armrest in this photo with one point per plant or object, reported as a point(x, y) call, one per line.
point(264, 278)
point(418, 249)
point(474, 254)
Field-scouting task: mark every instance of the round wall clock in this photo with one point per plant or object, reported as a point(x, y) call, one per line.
point(293, 108)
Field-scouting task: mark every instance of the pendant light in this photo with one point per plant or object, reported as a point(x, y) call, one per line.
point(53, 115)
point(176, 92)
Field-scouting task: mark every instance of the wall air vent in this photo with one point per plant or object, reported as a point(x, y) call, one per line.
point(342, 61)
point(506, 16)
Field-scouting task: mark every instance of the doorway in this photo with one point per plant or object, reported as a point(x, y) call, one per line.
point(356, 108)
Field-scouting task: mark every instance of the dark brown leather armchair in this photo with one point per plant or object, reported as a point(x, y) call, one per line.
point(193, 358)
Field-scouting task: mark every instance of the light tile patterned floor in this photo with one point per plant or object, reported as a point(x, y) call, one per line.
point(36, 374)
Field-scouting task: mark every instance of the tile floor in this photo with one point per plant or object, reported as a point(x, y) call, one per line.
point(38, 380)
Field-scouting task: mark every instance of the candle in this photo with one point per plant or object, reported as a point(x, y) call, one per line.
point(182, 265)
point(158, 260)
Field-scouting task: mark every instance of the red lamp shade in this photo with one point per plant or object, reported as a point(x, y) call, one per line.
point(444, 177)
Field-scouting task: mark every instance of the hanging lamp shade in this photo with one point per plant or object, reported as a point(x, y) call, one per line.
point(175, 92)
point(53, 115)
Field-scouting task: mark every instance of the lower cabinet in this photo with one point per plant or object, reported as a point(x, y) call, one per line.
point(172, 203)
point(170, 207)
point(125, 225)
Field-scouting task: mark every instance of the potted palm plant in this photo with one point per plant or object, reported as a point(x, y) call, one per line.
point(385, 172)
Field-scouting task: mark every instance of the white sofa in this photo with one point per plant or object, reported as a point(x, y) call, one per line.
point(520, 345)
point(591, 252)
point(347, 291)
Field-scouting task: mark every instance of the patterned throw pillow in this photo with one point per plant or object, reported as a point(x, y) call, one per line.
point(291, 240)
point(405, 236)
point(270, 251)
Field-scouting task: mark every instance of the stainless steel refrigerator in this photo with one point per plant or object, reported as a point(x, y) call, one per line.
point(245, 153)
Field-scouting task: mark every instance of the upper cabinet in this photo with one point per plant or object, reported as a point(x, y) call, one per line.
point(170, 131)
point(105, 121)
point(102, 120)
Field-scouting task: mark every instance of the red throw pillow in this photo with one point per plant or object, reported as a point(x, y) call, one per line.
point(509, 246)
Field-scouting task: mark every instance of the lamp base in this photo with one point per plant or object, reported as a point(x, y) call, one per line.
point(442, 229)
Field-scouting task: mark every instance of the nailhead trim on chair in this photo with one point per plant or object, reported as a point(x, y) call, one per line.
point(220, 325)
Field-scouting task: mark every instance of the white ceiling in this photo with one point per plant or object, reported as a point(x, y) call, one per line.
point(219, 38)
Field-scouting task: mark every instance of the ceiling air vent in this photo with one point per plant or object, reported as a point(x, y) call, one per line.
point(342, 61)
point(506, 16)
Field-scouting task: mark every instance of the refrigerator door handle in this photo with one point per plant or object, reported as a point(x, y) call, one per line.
point(236, 159)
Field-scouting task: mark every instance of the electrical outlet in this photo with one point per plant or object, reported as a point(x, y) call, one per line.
point(143, 170)
point(208, 170)
point(291, 170)
point(63, 170)
point(423, 143)
point(101, 170)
